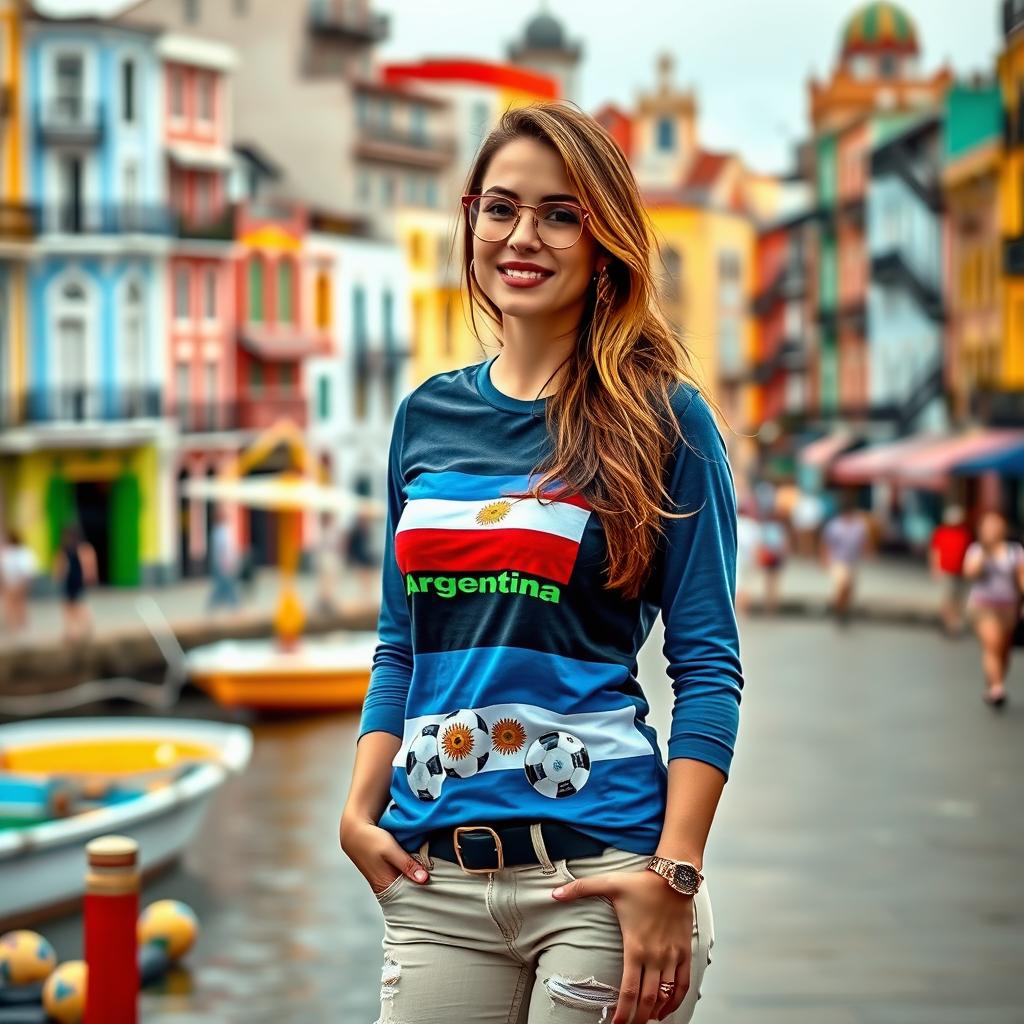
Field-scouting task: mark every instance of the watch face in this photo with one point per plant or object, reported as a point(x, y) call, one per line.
point(686, 878)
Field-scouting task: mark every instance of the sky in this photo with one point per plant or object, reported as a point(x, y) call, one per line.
point(748, 61)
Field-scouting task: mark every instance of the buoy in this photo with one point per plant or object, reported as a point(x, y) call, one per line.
point(64, 994)
point(111, 913)
point(25, 957)
point(170, 924)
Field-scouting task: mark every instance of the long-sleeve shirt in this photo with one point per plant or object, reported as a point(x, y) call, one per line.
point(504, 664)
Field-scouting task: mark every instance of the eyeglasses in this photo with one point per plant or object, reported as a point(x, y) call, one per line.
point(493, 218)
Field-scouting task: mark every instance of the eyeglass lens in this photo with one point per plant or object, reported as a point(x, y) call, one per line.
point(493, 218)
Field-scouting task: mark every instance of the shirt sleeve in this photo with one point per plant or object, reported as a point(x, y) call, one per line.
point(698, 582)
point(384, 706)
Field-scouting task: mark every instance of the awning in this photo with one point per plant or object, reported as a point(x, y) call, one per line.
point(818, 454)
point(1004, 461)
point(880, 461)
point(200, 156)
point(930, 469)
point(285, 343)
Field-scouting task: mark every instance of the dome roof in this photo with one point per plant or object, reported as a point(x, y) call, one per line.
point(880, 27)
point(543, 32)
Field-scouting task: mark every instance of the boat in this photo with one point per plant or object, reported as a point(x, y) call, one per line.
point(63, 782)
point(329, 672)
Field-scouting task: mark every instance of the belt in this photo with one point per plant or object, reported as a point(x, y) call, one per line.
point(482, 848)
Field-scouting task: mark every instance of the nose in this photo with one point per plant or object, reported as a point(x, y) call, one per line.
point(524, 234)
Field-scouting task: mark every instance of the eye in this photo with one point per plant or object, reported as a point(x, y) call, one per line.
point(562, 214)
point(498, 208)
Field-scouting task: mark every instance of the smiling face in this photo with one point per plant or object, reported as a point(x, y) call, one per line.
point(551, 282)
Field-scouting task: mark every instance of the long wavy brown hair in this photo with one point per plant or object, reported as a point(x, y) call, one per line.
point(611, 421)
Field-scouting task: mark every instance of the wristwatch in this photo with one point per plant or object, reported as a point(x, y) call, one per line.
point(680, 874)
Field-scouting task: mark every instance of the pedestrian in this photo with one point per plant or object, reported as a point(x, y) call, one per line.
point(534, 857)
point(75, 569)
point(808, 515)
point(843, 541)
point(17, 567)
point(359, 555)
point(949, 544)
point(773, 547)
point(994, 566)
point(224, 564)
point(748, 543)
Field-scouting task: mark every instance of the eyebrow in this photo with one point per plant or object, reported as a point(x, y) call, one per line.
point(561, 197)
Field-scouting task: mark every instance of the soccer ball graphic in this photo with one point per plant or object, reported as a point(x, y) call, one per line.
point(557, 764)
point(463, 743)
point(423, 766)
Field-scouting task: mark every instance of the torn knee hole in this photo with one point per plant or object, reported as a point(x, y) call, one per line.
point(582, 993)
point(389, 976)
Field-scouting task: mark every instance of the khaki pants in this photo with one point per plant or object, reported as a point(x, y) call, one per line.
point(497, 948)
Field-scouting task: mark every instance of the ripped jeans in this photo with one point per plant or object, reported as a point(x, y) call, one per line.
point(496, 948)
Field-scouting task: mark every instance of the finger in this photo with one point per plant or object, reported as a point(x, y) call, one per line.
point(408, 865)
point(682, 983)
point(661, 1004)
point(629, 990)
point(593, 885)
point(648, 994)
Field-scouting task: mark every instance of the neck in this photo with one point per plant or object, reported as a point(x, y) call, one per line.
point(532, 351)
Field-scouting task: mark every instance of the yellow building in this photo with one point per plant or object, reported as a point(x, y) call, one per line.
point(478, 92)
point(1011, 198)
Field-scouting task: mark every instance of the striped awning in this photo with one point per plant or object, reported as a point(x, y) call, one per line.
point(880, 461)
point(930, 468)
point(818, 454)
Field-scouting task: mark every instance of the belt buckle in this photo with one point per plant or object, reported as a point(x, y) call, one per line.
point(497, 846)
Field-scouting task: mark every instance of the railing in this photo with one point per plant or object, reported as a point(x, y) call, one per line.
point(69, 119)
point(375, 132)
point(930, 386)
point(218, 228)
point(261, 409)
point(91, 404)
point(895, 158)
point(348, 21)
point(205, 417)
point(891, 268)
point(105, 219)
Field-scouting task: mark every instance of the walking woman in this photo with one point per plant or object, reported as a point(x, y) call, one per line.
point(535, 859)
point(995, 567)
point(75, 570)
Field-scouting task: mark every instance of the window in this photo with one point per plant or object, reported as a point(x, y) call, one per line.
point(128, 92)
point(363, 109)
point(286, 375)
point(418, 117)
point(177, 90)
point(210, 294)
point(130, 177)
point(204, 198)
point(210, 376)
point(365, 187)
point(362, 367)
point(387, 189)
point(255, 289)
point(431, 192)
point(255, 377)
point(411, 189)
point(323, 398)
point(205, 87)
point(182, 384)
point(181, 296)
point(387, 314)
point(134, 351)
point(666, 134)
point(285, 284)
point(70, 79)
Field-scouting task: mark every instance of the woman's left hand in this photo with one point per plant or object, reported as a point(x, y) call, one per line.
point(657, 932)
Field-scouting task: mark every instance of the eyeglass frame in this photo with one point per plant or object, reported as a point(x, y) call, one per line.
point(469, 199)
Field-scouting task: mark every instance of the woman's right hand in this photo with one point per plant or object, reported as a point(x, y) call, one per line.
point(377, 854)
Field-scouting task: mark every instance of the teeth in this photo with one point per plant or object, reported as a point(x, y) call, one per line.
point(532, 275)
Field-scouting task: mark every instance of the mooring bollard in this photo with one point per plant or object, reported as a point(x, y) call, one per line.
point(111, 916)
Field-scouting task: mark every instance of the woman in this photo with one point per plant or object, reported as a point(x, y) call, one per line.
point(504, 734)
point(17, 567)
point(74, 569)
point(995, 567)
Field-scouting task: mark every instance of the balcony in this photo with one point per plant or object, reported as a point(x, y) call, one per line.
point(897, 157)
point(69, 121)
point(789, 283)
point(206, 417)
point(890, 268)
point(91, 405)
point(219, 228)
point(348, 21)
point(384, 142)
point(105, 219)
point(261, 409)
point(17, 222)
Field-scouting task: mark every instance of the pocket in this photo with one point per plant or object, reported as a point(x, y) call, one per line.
point(613, 859)
point(387, 894)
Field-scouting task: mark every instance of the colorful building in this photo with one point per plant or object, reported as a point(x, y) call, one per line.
point(973, 119)
point(875, 82)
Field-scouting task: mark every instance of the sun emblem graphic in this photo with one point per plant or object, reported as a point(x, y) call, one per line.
point(508, 736)
point(457, 741)
point(493, 513)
